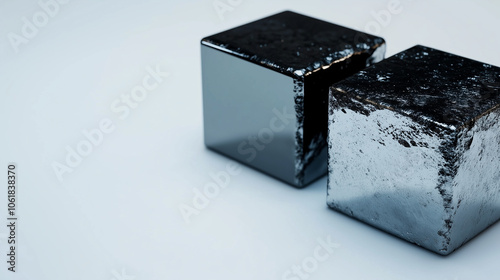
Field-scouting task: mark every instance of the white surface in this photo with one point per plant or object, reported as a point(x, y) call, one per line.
point(117, 213)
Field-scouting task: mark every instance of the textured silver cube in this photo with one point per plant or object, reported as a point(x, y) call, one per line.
point(414, 147)
point(265, 90)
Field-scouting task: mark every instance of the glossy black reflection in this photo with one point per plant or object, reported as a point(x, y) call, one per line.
point(241, 92)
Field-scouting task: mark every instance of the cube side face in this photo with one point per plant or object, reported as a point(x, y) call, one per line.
point(249, 113)
point(384, 169)
point(316, 90)
point(476, 185)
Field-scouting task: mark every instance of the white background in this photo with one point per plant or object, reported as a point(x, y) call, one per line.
point(116, 216)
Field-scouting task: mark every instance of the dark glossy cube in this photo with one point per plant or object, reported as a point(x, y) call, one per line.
point(414, 147)
point(265, 90)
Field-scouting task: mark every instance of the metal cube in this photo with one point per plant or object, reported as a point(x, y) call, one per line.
point(414, 147)
point(265, 90)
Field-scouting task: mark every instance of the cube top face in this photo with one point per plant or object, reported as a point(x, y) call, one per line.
point(440, 87)
point(294, 44)
point(399, 163)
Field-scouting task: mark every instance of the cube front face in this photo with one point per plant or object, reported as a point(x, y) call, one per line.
point(375, 177)
point(249, 113)
point(418, 154)
point(265, 90)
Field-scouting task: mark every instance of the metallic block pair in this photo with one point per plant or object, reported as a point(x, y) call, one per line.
point(412, 144)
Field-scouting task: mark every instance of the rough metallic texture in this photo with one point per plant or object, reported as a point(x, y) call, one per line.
point(414, 147)
point(265, 90)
